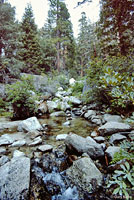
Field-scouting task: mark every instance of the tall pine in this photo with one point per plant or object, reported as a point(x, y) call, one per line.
point(31, 51)
point(116, 27)
point(60, 31)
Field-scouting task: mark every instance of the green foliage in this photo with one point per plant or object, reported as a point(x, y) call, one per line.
point(30, 52)
point(118, 82)
point(21, 98)
point(123, 180)
point(126, 152)
point(77, 88)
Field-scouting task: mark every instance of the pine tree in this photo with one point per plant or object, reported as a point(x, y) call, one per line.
point(86, 42)
point(31, 51)
point(116, 27)
point(59, 28)
point(9, 44)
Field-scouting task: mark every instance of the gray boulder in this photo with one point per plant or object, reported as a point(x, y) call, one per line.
point(3, 160)
point(6, 139)
point(19, 143)
point(89, 114)
point(30, 124)
point(45, 148)
point(9, 126)
point(113, 127)
point(84, 173)
point(75, 100)
point(36, 141)
point(53, 105)
point(42, 108)
point(77, 144)
point(111, 150)
point(15, 179)
point(116, 138)
point(58, 114)
point(112, 118)
point(61, 137)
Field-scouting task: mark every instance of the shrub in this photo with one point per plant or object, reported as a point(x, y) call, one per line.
point(77, 88)
point(20, 96)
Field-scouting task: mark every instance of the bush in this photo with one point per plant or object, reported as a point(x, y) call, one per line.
point(77, 88)
point(112, 83)
point(20, 96)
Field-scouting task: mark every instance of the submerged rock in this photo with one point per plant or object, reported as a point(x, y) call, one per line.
point(85, 175)
point(15, 179)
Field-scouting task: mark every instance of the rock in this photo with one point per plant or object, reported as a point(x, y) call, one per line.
point(19, 143)
point(52, 105)
point(111, 150)
point(9, 126)
point(94, 134)
point(99, 139)
point(2, 150)
point(61, 137)
point(6, 139)
point(85, 174)
point(60, 94)
point(68, 123)
point(112, 118)
point(96, 120)
point(42, 108)
point(37, 140)
point(90, 139)
point(72, 81)
point(45, 148)
point(74, 100)
point(89, 114)
point(30, 124)
point(60, 89)
point(18, 153)
point(113, 127)
point(58, 114)
point(33, 134)
point(15, 179)
point(116, 138)
point(3, 160)
point(77, 145)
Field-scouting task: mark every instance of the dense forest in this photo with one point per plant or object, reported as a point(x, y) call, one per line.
point(102, 54)
point(74, 93)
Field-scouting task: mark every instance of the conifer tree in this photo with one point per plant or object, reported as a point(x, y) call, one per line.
point(116, 27)
point(86, 43)
point(31, 51)
point(60, 30)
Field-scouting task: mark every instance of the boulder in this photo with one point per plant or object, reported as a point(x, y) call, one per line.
point(77, 145)
point(6, 139)
point(111, 150)
point(19, 143)
point(42, 108)
point(112, 118)
point(15, 179)
point(58, 114)
point(85, 174)
point(45, 148)
point(72, 81)
point(74, 100)
point(61, 137)
point(113, 127)
point(30, 124)
point(9, 126)
point(52, 105)
point(89, 114)
point(99, 139)
point(3, 160)
point(116, 138)
point(36, 141)
point(32, 134)
point(2, 150)
point(18, 153)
